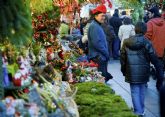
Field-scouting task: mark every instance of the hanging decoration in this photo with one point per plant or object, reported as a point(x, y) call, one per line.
point(107, 1)
point(110, 4)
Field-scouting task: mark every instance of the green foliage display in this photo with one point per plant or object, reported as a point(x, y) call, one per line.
point(130, 3)
point(137, 15)
point(137, 7)
point(15, 22)
point(41, 6)
point(81, 1)
point(98, 100)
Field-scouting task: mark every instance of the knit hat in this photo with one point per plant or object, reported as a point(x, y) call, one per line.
point(100, 8)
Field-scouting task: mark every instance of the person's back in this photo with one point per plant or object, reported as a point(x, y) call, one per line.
point(108, 30)
point(123, 15)
point(156, 30)
point(115, 22)
point(110, 34)
point(136, 54)
point(126, 30)
point(138, 64)
point(156, 33)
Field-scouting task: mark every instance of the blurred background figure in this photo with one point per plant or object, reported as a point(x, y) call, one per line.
point(156, 31)
point(123, 15)
point(115, 22)
point(110, 34)
point(126, 30)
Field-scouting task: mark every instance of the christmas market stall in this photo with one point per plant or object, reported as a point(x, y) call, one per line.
point(44, 75)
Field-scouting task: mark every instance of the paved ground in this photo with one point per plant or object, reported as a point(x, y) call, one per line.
point(122, 88)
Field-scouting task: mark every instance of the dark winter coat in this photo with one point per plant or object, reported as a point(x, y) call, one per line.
point(115, 22)
point(97, 44)
point(109, 32)
point(136, 55)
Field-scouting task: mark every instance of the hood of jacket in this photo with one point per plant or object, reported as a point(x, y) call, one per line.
point(135, 42)
point(158, 21)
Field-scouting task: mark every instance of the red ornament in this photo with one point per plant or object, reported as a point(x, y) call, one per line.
point(63, 68)
point(49, 50)
point(60, 54)
point(39, 17)
point(61, 4)
point(36, 35)
point(40, 26)
point(17, 82)
point(70, 9)
point(26, 90)
point(44, 35)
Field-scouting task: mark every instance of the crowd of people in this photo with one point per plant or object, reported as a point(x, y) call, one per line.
point(137, 46)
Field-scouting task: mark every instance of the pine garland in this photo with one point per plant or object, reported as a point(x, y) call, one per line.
point(15, 22)
point(98, 100)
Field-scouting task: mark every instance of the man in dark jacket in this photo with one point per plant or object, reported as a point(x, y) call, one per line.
point(116, 22)
point(97, 45)
point(110, 34)
point(136, 54)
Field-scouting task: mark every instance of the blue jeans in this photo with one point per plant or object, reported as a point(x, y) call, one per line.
point(138, 97)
